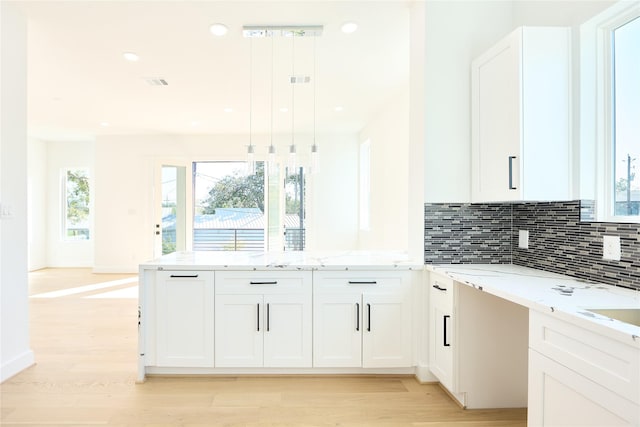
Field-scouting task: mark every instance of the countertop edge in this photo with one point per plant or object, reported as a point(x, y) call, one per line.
point(623, 332)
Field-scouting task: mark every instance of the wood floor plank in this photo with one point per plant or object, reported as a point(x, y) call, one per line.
point(86, 369)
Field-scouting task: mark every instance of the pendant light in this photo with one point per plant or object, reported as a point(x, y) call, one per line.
point(292, 148)
point(251, 161)
point(315, 157)
point(272, 149)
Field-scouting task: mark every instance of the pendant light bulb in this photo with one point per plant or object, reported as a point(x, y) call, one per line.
point(292, 164)
point(315, 158)
point(251, 160)
point(272, 156)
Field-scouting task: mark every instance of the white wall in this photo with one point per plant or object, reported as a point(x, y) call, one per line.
point(60, 156)
point(15, 354)
point(37, 203)
point(124, 186)
point(388, 133)
point(456, 32)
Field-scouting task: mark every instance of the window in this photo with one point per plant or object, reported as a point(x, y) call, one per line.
point(625, 117)
point(365, 185)
point(228, 211)
point(76, 210)
point(609, 110)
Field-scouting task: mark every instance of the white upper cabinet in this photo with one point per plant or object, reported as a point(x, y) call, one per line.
point(521, 117)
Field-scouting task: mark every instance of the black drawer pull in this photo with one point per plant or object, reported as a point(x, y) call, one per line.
point(444, 321)
point(436, 286)
point(274, 282)
point(184, 276)
point(363, 282)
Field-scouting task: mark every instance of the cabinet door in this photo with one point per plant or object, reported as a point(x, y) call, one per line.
point(184, 319)
point(337, 330)
point(239, 330)
point(287, 331)
point(441, 329)
point(386, 336)
point(558, 396)
point(496, 122)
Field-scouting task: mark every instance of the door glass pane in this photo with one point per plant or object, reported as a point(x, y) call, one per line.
point(294, 224)
point(173, 209)
point(229, 207)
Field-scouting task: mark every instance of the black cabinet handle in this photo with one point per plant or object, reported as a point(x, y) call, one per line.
point(436, 286)
point(511, 159)
point(267, 317)
point(274, 282)
point(445, 318)
point(369, 317)
point(190, 276)
point(258, 315)
point(363, 282)
point(357, 316)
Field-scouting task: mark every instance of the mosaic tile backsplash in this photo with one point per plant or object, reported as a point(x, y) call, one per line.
point(558, 241)
point(467, 233)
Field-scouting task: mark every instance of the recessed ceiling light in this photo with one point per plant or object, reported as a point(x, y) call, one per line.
point(283, 109)
point(130, 56)
point(104, 124)
point(228, 110)
point(338, 108)
point(218, 29)
point(195, 123)
point(349, 27)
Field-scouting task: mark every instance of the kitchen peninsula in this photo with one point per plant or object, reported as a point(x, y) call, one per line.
point(278, 312)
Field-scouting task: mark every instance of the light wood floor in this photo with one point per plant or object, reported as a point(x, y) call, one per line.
point(85, 350)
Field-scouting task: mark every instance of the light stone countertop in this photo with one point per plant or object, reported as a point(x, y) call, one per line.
point(562, 296)
point(300, 260)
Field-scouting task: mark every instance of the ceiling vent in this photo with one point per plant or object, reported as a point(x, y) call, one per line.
point(299, 79)
point(156, 81)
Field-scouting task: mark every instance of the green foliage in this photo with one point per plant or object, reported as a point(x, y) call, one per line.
point(77, 196)
point(292, 194)
point(237, 191)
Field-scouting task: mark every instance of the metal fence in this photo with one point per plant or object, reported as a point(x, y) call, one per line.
point(228, 239)
point(294, 239)
point(233, 239)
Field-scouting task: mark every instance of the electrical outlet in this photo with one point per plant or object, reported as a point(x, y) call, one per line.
point(611, 248)
point(523, 239)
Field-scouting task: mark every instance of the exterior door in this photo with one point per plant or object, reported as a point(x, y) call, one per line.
point(170, 225)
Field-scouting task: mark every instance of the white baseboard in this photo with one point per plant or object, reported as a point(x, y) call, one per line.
point(424, 375)
point(16, 365)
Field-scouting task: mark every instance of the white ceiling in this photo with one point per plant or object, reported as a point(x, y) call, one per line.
point(77, 77)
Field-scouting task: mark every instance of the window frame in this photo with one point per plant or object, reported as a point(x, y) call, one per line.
point(596, 106)
point(64, 211)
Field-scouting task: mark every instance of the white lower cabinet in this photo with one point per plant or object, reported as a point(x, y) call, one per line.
point(263, 319)
point(580, 378)
point(440, 328)
point(362, 319)
point(477, 345)
point(184, 302)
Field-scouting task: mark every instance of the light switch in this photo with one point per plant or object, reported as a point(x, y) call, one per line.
point(523, 239)
point(611, 248)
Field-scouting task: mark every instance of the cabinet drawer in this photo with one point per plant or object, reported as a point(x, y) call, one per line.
point(260, 282)
point(441, 291)
point(361, 281)
point(603, 360)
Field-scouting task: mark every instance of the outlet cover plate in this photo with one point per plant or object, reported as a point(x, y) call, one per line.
point(611, 248)
point(523, 239)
